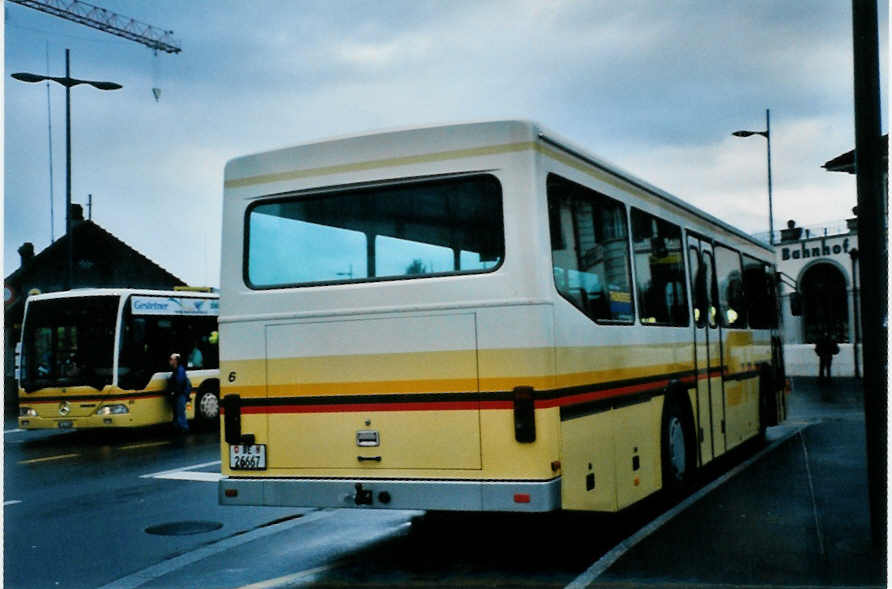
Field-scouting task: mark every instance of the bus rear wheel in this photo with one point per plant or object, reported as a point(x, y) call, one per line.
point(677, 446)
point(207, 407)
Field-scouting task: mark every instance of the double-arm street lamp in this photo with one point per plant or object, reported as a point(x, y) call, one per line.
point(68, 82)
point(767, 135)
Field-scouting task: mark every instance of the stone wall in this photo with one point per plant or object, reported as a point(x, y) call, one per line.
point(801, 360)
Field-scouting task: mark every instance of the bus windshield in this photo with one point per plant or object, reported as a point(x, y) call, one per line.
point(69, 342)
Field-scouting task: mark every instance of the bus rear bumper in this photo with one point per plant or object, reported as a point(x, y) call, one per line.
point(462, 495)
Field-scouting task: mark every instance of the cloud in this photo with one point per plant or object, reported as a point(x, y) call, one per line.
point(656, 87)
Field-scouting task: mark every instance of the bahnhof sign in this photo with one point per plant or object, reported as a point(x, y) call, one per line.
point(823, 263)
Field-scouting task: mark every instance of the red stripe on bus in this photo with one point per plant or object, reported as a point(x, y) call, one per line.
point(601, 395)
point(459, 405)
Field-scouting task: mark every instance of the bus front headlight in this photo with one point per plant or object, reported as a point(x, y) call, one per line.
point(117, 409)
point(27, 412)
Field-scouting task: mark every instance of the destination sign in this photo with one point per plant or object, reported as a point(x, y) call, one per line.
point(145, 305)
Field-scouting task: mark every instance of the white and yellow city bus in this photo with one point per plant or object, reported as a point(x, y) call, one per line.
point(481, 317)
point(94, 358)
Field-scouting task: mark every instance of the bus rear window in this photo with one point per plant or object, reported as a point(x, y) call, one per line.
point(408, 230)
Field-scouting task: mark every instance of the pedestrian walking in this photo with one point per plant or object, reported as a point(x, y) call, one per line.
point(178, 389)
point(826, 347)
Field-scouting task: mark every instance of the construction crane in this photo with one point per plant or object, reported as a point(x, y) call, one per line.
point(111, 22)
point(107, 21)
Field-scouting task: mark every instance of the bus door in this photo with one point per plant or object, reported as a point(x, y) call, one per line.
point(710, 404)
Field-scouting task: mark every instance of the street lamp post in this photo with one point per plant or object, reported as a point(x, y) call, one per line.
point(68, 82)
point(767, 135)
point(853, 253)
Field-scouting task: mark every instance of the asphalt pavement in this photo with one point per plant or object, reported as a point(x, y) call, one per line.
point(798, 516)
point(78, 506)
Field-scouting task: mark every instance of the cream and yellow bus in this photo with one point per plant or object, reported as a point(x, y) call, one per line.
point(98, 358)
point(481, 317)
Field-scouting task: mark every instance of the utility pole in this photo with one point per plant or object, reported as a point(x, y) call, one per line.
point(873, 254)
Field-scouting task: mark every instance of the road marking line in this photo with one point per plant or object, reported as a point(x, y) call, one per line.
point(185, 475)
point(12, 431)
point(48, 458)
point(289, 580)
point(615, 553)
point(11, 502)
point(155, 475)
point(168, 566)
point(144, 445)
point(811, 489)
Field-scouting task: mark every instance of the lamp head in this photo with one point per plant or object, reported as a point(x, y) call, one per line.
point(106, 85)
point(26, 77)
point(748, 133)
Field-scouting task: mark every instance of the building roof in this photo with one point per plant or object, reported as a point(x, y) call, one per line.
point(140, 271)
point(846, 161)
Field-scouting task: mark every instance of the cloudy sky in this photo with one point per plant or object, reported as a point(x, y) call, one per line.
point(653, 86)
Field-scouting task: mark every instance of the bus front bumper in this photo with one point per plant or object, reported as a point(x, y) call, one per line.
point(453, 495)
point(87, 422)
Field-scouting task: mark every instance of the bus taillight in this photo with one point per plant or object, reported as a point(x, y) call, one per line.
point(524, 415)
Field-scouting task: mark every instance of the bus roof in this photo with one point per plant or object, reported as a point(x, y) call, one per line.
point(98, 292)
point(427, 143)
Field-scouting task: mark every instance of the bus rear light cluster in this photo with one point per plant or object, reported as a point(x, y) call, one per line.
point(521, 497)
point(524, 415)
point(231, 492)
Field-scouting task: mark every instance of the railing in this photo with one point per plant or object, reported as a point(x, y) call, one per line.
point(826, 229)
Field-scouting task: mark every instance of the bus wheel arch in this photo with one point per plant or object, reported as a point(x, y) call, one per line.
point(207, 401)
point(678, 446)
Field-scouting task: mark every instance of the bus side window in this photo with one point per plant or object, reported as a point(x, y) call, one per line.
point(589, 250)
point(732, 312)
point(659, 270)
point(698, 287)
point(710, 290)
point(134, 370)
point(758, 284)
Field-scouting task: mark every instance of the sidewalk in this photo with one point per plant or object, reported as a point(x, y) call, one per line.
point(798, 516)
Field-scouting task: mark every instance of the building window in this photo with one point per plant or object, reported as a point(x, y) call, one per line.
point(590, 250)
point(659, 270)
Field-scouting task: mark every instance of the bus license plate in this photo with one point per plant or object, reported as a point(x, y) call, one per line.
point(247, 457)
point(66, 424)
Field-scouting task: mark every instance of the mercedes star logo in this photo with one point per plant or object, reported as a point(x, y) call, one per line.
point(64, 408)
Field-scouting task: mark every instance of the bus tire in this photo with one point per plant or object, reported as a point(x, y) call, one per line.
point(207, 407)
point(677, 447)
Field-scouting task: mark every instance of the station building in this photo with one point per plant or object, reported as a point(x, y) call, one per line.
point(822, 263)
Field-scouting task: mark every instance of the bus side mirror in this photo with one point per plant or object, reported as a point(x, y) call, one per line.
point(795, 304)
